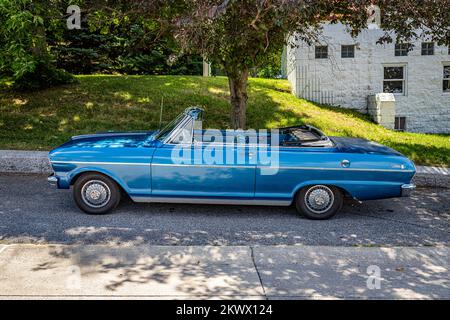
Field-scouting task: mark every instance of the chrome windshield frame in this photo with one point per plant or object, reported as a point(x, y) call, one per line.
point(191, 113)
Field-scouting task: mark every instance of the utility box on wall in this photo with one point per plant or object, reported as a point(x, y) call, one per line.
point(382, 109)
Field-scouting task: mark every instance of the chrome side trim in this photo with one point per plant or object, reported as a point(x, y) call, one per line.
point(344, 169)
point(92, 162)
point(407, 189)
point(280, 168)
point(249, 202)
point(243, 166)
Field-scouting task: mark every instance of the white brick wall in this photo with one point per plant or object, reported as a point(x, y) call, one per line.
point(347, 82)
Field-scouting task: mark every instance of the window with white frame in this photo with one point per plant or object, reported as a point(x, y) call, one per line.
point(402, 49)
point(348, 51)
point(427, 48)
point(321, 52)
point(400, 123)
point(446, 81)
point(394, 79)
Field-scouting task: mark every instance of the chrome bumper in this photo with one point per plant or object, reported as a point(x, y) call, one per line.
point(52, 180)
point(407, 189)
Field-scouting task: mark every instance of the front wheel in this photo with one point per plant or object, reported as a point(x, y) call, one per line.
point(96, 194)
point(319, 202)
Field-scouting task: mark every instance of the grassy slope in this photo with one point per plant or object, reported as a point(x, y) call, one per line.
point(45, 119)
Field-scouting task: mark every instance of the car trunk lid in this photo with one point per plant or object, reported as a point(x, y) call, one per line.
point(356, 145)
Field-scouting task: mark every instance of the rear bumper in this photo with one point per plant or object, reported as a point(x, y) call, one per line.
point(407, 189)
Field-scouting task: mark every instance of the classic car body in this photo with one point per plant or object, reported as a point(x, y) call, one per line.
point(143, 165)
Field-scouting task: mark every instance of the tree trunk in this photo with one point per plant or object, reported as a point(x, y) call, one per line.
point(237, 79)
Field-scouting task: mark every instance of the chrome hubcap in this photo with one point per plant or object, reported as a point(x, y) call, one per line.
point(319, 199)
point(95, 193)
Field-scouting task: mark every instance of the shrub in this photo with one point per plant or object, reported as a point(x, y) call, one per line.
point(24, 53)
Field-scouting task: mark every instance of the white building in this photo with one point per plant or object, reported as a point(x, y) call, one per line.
point(345, 71)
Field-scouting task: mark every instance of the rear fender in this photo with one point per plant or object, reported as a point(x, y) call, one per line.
point(361, 190)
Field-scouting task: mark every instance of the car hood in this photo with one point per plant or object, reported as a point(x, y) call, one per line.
point(355, 145)
point(110, 140)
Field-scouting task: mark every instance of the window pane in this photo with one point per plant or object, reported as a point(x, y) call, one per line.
point(185, 135)
point(321, 52)
point(393, 73)
point(401, 49)
point(446, 86)
point(348, 51)
point(393, 87)
point(447, 72)
point(428, 48)
point(400, 123)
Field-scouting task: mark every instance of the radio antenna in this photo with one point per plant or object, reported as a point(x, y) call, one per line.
point(161, 112)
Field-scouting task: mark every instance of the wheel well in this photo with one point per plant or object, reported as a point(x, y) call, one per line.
point(345, 193)
point(78, 175)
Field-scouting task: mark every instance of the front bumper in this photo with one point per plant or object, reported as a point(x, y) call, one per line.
point(407, 189)
point(53, 180)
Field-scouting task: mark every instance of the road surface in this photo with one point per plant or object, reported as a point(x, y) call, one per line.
point(33, 212)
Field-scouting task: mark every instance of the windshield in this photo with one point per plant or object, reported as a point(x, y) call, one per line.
point(168, 128)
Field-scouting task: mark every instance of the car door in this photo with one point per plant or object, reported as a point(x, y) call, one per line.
point(197, 176)
point(279, 186)
point(297, 165)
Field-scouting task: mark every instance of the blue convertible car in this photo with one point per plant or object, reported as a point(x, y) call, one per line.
point(183, 163)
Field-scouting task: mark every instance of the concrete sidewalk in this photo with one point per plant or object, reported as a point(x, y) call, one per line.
point(16, 161)
point(240, 272)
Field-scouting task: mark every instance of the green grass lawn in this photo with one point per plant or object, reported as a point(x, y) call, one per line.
point(43, 120)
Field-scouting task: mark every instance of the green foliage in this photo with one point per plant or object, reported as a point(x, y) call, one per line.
point(43, 75)
point(81, 52)
point(120, 51)
point(24, 54)
point(271, 68)
point(113, 41)
point(156, 63)
point(36, 46)
point(425, 19)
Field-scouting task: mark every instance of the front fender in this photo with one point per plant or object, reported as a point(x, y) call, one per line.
point(66, 180)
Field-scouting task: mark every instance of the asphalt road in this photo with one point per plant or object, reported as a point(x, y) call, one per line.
point(33, 212)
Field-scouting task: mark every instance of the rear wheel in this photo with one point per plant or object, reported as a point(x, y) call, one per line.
point(95, 193)
point(319, 202)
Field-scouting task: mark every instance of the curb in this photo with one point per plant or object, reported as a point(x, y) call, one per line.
point(24, 162)
point(12, 161)
point(435, 177)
